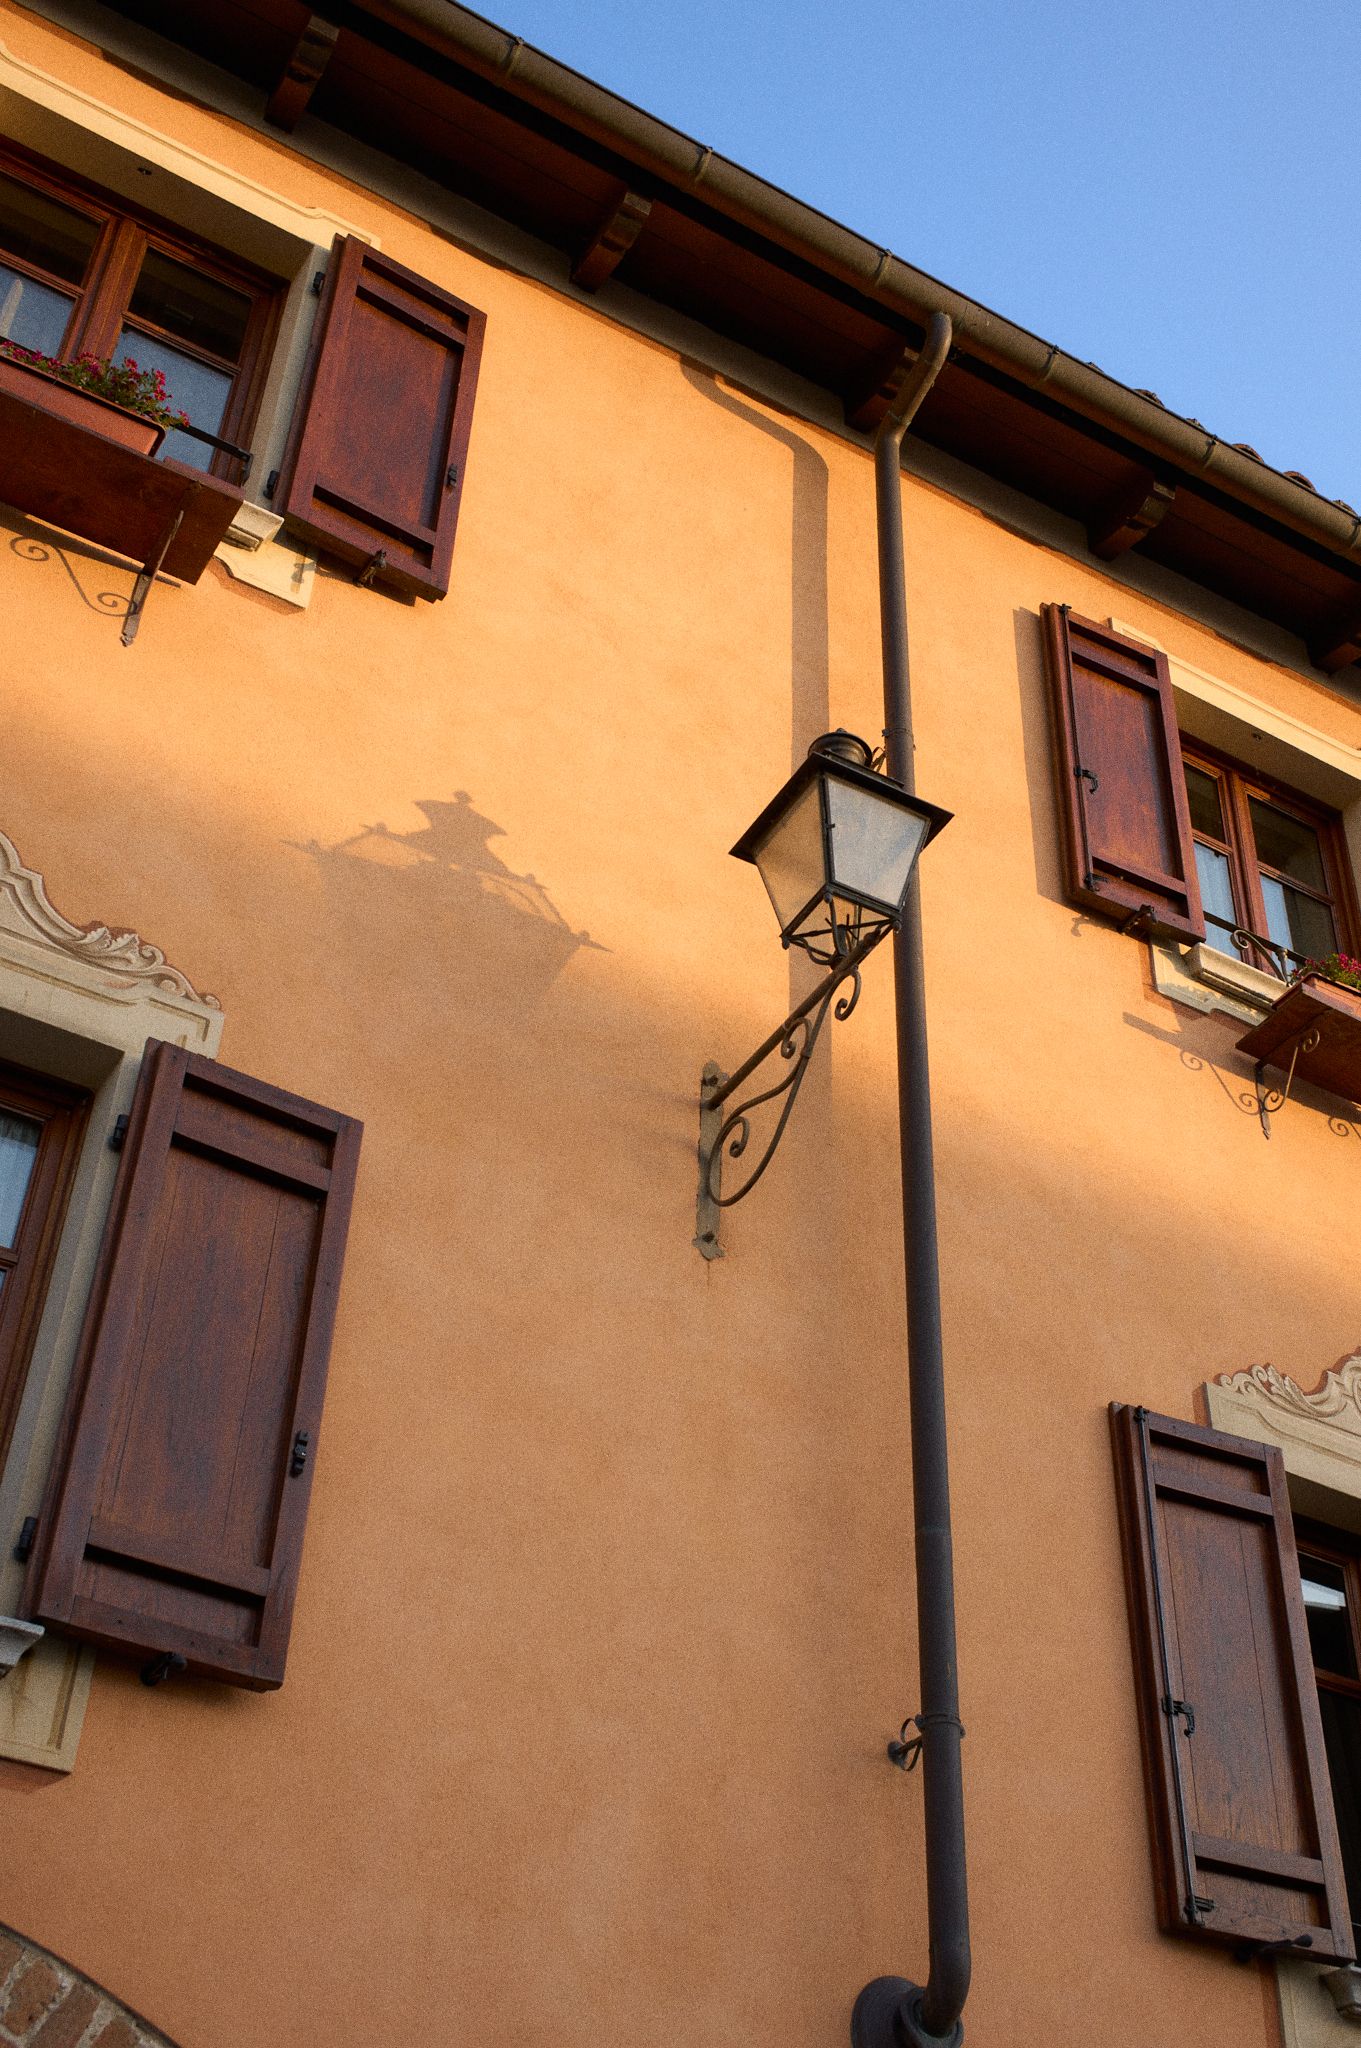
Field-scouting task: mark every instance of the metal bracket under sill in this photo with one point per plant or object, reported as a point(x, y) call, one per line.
point(16, 1640)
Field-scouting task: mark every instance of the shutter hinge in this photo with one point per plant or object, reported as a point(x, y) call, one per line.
point(298, 1461)
point(318, 280)
point(1173, 1707)
point(451, 476)
point(1249, 1951)
point(374, 566)
point(271, 483)
point(162, 1666)
point(118, 1134)
point(23, 1549)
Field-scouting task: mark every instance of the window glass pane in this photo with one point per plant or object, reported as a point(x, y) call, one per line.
point(42, 231)
point(191, 387)
point(1287, 844)
point(790, 857)
point(1342, 1741)
point(1325, 1609)
point(1296, 922)
point(1202, 793)
point(19, 1137)
point(190, 306)
point(1216, 894)
point(32, 314)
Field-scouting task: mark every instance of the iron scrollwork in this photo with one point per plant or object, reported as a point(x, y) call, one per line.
point(729, 1135)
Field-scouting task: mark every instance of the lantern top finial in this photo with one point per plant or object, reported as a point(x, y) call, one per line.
point(842, 746)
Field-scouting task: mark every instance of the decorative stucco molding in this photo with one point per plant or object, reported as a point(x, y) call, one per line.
point(27, 912)
point(1336, 1399)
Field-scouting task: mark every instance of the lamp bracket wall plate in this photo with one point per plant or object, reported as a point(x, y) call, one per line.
point(728, 1130)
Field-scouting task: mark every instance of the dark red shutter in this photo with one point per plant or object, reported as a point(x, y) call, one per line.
point(374, 468)
point(1121, 790)
point(174, 1516)
point(1244, 1839)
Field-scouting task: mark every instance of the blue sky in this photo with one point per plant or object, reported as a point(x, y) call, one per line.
point(1167, 190)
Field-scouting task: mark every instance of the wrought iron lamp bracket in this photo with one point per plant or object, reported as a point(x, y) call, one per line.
point(729, 1130)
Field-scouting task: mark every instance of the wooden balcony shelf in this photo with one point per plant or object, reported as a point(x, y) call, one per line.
point(162, 515)
point(1314, 1033)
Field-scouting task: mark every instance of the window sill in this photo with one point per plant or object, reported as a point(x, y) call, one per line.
point(1214, 982)
point(79, 480)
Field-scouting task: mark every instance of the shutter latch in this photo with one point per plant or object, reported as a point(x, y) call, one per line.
point(1086, 775)
point(118, 1134)
point(1173, 1707)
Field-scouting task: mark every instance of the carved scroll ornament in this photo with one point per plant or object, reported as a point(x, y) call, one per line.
point(1336, 1399)
point(27, 912)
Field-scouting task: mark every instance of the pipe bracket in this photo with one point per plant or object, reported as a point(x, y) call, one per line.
point(888, 2015)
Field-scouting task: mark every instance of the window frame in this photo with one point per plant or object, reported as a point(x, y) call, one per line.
point(1336, 1547)
point(63, 1110)
point(102, 300)
point(1238, 784)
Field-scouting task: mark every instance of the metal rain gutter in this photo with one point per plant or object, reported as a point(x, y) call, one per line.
point(899, 288)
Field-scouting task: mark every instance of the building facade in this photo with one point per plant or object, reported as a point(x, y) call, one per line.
point(366, 924)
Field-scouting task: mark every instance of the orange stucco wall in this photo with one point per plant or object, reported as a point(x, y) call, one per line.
point(605, 1614)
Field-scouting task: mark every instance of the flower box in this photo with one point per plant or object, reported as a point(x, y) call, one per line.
point(68, 402)
point(73, 475)
point(1313, 1029)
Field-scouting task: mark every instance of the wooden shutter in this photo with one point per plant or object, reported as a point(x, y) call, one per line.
point(374, 466)
point(1244, 1839)
point(1122, 804)
point(174, 1516)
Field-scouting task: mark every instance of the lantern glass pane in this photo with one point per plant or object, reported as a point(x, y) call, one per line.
point(874, 843)
point(790, 857)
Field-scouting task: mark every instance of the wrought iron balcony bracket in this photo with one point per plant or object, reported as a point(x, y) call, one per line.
point(725, 1131)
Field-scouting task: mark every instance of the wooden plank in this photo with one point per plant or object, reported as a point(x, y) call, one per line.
point(1257, 1861)
point(135, 1547)
point(195, 1126)
point(1179, 1486)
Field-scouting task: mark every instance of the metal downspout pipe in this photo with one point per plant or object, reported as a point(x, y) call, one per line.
point(892, 2011)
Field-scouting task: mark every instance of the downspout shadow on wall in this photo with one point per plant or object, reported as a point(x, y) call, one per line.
point(809, 681)
point(810, 711)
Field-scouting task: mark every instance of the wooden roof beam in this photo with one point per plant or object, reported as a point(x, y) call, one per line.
point(1339, 642)
point(303, 73)
point(611, 242)
point(1130, 516)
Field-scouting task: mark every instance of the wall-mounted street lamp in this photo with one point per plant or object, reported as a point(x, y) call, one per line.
point(836, 849)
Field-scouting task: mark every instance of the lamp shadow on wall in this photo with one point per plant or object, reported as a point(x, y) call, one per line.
point(441, 893)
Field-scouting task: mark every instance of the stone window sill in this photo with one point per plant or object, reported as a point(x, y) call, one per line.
point(1214, 982)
